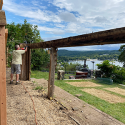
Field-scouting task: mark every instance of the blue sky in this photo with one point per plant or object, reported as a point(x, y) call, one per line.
point(64, 18)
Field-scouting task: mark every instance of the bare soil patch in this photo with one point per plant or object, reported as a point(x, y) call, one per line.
point(105, 95)
point(117, 90)
point(20, 110)
point(83, 84)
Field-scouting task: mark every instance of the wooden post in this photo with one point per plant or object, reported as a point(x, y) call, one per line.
point(53, 62)
point(6, 36)
point(25, 68)
point(29, 64)
point(3, 118)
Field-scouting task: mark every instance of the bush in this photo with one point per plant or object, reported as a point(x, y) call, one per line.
point(106, 68)
point(116, 73)
point(40, 58)
point(119, 75)
point(67, 66)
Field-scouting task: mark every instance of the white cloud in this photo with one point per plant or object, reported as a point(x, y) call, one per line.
point(30, 12)
point(100, 19)
point(68, 17)
point(105, 11)
point(51, 30)
point(52, 38)
point(59, 25)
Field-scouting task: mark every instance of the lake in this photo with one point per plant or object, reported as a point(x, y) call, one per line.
point(90, 64)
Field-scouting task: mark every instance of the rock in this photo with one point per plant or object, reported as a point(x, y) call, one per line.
point(75, 108)
point(61, 108)
point(78, 95)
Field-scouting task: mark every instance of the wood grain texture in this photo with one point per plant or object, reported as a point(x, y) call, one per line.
point(113, 36)
point(2, 18)
point(53, 52)
point(25, 68)
point(2, 77)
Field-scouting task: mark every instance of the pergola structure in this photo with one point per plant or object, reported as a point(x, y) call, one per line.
point(113, 36)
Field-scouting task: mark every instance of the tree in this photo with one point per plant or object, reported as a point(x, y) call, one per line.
point(40, 58)
point(18, 33)
point(121, 57)
point(106, 68)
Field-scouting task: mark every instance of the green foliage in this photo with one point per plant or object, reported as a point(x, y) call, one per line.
point(121, 57)
point(119, 75)
point(67, 66)
point(40, 58)
point(38, 88)
point(116, 73)
point(106, 68)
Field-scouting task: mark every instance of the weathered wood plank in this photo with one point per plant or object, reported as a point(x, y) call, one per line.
point(53, 54)
point(29, 61)
point(25, 68)
point(113, 36)
point(3, 120)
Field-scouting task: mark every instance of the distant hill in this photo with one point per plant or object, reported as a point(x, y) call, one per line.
point(86, 53)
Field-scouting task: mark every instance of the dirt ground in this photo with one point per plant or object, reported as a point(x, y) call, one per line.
point(83, 84)
point(105, 95)
point(117, 90)
point(65, 109)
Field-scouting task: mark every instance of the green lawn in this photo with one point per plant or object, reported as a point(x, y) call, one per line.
point(117, 110)
point(40, 75)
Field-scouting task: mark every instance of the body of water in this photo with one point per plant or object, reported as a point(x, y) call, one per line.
point(90, 64)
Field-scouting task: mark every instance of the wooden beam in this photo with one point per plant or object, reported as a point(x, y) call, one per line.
point(53, 61)
point(3, 120)
point(113, 36)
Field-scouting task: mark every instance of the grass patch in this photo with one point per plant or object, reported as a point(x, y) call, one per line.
point(38, 88)
point(116, 110)
point(66, 76)
point(40, 75)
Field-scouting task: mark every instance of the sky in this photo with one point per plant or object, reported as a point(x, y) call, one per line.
point(58, 19)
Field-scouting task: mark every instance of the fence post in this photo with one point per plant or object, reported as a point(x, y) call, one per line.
point(3, 118)
point(25, 68)
point(53, 62)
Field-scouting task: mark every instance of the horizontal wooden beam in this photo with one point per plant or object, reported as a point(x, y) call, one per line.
point(113, 36)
